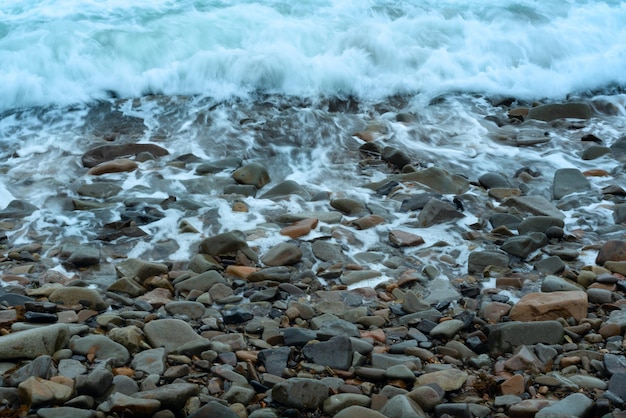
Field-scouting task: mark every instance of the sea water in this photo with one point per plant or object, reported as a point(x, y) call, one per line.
point(288, 84)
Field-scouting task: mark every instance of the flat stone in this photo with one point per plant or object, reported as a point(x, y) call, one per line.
point(478, 261)
point(335, 353)
point(523, 245)
point(169, 333)
point(329, 325)
point(193, 310)
point(172, 396)
point(102, 348)
point(426, 397)
point(575, 405)
point(285, 190)
point(275, 359)
point(528, 408)
point(534, 205)
point(341, 401)
point(227, 243)
point(73, 295)
point(65, 411)
point(202, 282)
point(283, 254)
point(301, 393)
point(447, 329)
point(32, 343)
point(358, 411)
point(537, 306)
point(36, 391)
point(119, 165)
point(214, 409)
point(448, 380)
point(151, 361)
point(505, 337)
point(552, 283)
point(94, 384)
point(103, 153)
point(120, 403)
point(437, 212)
point(402, 406)
point(299, 228)
point(553, 111)
point(401, 238)
point(140, 269)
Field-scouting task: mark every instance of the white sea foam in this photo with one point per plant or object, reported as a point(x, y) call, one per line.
point(62, 52)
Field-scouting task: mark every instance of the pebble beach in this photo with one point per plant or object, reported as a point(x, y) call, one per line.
point(174, 285)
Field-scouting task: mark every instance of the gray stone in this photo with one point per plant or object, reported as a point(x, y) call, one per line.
point(478, 261)
point(553, 111)
point(436, 212)
point(441, 290)
point(254, 174)
point(385, 361)
point(568, 181)
point(84, 256)
point(64, 412)
point(73, 295)
point(575, 405)
point(619, 213)
point(327, 251)
point(102, 190)
point(226, 244)
point(202, 282)
point(239, 394)
point(494, 180)
point(358, 411)
point(539, 224)
point(120, 403)
point(36, 392)
point(395, 157)
point(588, 382)
point(102, 348)
point(595, 151)
point(279, 274)
point(450, 379)
point(125, 384)
point(39, 367)
point(426, 397)
point(522, 246)
point(94, 384)
point(534, 205)
point(341, 401)
point(614, 363)
point(505, 337)
point(17, 209)
point(401, 372)
point(300, 393)
point(71, 368)
point(462, 410)
point(173, 396)
point(349, 207)
point(557, 284)
point(402, 407)
point(335, 353)
point(140, 269)
point(151, 361)
point(286, 189)
point(329, 325)
point(214, 409)
point(413, 303)
point(356, 276)
point(550, 265)
point(32, 343)
point(447, 329)
point(193, 310)
point(169, 333)
point(275, 359)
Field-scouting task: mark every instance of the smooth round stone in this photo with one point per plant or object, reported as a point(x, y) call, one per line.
point(169, 333)
point(358, 411)
point(447, 329)
point(401, 372)
point(426, 397)
point(402, 407)
point(588, 382)
point(151, 361)
point(449, 380)
point(341, 401)
point(193, 310)
point(575, 405)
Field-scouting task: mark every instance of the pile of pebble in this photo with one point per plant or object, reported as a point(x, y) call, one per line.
point(235, 333)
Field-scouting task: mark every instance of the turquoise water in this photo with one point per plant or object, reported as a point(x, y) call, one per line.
point(66, 52)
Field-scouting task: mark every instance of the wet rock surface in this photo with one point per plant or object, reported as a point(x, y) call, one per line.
point(428, 290)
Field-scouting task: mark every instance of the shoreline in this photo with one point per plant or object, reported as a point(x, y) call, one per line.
point(249, 318)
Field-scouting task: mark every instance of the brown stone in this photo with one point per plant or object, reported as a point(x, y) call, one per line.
point(116, 166)
point(612, 250)
point(404, 239)
point(98, 155)
point(513, 386)
point(299, 228)
point(494, 311)
point(368, 221)
point(157, 297)
point(241, 271)
point(538, 306)
point(610, 330)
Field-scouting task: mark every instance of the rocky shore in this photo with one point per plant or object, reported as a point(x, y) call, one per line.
point(524, 317)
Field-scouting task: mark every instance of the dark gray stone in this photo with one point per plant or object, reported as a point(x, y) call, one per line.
point(335, 353)
point(436, 212)
point(275, 359)
point(575, 405)
point(552, 111)
point(505, 337)
point(522, 246)
point(568, 181)
point(538, 224)
point(300, 393)
point(479, 260)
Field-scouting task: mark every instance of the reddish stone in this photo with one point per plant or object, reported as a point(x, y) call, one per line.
point(300, 228)
point(368, 221)
point(513, 386)
point(404, 239)
point(241, 271)
point(546, 306)
point(612, 250)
